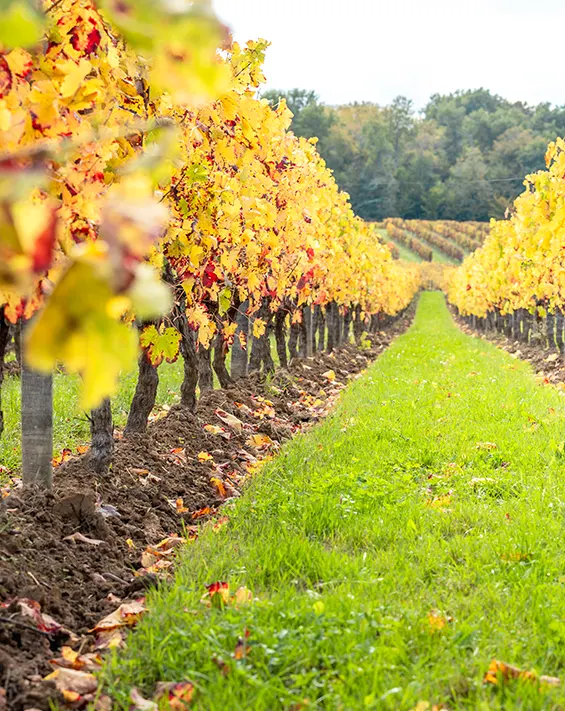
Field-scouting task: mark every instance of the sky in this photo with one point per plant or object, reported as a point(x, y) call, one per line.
point(374, 50)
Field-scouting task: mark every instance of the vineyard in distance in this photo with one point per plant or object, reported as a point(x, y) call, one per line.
point(257, 452)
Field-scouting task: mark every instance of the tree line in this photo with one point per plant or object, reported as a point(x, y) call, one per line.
point(464, 157)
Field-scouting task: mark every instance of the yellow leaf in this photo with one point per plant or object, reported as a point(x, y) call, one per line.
point(259, 327)
point(75, 75)
point(79, 333)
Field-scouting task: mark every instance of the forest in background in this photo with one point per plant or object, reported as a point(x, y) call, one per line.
point(464, 157)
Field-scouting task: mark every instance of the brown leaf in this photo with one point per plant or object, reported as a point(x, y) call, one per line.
point(230, 420)
point(73, 682)
point(79, 537)
point(140, 703)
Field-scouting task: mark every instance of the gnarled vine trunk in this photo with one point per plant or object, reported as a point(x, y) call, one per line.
point(102, 433)
point(219, 362)
point(239, 354)
point(205, 374)
point(280, 336)
point(144, 397)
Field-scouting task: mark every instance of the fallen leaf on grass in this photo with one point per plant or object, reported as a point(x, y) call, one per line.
point(217, 595)
point(515, 557)
point(486, 446)
point(437, 622)
point(439, 502)
point(140, 703)
point(177, 695)
point(500, 671)
point(82, 449)
point(216, 525)
point(242, 647)
point(243, 596)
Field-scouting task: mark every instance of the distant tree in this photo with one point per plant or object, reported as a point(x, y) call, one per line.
point(468, 191)
point(310, 118)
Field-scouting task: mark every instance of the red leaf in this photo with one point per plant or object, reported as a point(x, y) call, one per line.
point(5, 77)
point(44, 244)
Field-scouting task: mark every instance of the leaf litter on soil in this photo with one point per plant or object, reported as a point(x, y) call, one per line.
point(84, 554)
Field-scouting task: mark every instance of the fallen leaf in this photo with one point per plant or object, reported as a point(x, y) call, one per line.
point(61, 458)
point(437, 622)
point(219, 485)
point(178, 695)
point(180, 507)
point(32, 609)
point(127, 615)
point(487, 446)
point(230, 420)
point(72, 683)
point(214, 430)
point(259, 441)
point(201, 512)
point(205, 457)
point(80, 538)
point(243, 596)
point(218, 594)
point(500, 671)
point(439, 502)
point(140, 703)
point(329, 375)
point(70, 659)
point(515, 557)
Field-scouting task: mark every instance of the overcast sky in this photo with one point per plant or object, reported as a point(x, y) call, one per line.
point(373, 50)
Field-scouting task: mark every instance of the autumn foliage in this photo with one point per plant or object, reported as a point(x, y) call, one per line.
point(521, 265)
point(134, 152)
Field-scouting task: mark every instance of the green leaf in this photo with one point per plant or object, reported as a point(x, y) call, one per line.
point(20, 24)
point(224, 300)
point(161, 345)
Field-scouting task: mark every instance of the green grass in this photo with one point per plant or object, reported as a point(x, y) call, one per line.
point(346, 558)
point(70, 424)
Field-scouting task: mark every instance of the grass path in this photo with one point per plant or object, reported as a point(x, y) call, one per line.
point(392, 552)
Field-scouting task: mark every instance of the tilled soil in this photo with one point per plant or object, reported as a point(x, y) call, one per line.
point(159, 483)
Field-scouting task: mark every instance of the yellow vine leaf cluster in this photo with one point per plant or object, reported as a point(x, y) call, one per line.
point(131, 146)
point(522, 262)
